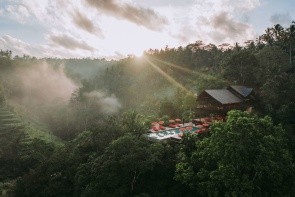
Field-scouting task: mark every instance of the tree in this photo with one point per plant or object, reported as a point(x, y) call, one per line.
point(240, 67)
point(117, 171)
point(244, 156)
point(281, 37)
point(134, 123)
point(273, 61)
point(168, 108)
point(54, 177)
point(277, 85)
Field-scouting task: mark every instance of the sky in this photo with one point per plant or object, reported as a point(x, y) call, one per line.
point(117, 28)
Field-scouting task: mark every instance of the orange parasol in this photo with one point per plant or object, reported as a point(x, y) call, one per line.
point(182, 129)
point(189, 128)
point(161, 122)
point(172, 125)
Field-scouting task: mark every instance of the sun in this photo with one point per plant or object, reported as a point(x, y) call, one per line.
point(138, 54)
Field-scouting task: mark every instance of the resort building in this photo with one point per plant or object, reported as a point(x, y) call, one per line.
point(220, 101)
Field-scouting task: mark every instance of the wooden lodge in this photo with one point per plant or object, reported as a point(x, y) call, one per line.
point(220, 101)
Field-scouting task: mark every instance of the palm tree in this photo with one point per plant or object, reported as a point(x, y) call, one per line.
point(291, 39)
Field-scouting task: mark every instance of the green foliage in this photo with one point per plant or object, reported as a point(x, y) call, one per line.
point(281, 37)
point(30, 157)
point(19, 153)
point(273, 62)
point(134, 123)
point(168, 108)
point(116, 172)
point(181, 106)
point(7, 188)
point(2, 98)
point(244, 156)
point(51, 178)
point(240, 67)
point(277, 85)
point(209, 82)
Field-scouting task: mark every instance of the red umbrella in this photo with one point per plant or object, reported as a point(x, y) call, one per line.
point(199, 126)
point(199, 131)
point(189, 128)
point(207, 119)
point(206, 125)
point(154, 123)
point(172, 121)
point(161, 122)
point(172, 126)
point(182, 129)
point(178, 120)
point(155, 129)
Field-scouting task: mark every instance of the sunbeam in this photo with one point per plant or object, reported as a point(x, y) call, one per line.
point(192, 72)
point(166, 76)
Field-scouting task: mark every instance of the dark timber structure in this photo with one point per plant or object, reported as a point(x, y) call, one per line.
point(220, 101)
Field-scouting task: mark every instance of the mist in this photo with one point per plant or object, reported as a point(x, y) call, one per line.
point(41, 84)
point(108, 104)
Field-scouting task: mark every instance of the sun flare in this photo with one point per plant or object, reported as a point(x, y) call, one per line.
point(138, 54)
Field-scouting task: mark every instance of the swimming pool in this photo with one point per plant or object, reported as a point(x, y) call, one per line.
point(172, 132)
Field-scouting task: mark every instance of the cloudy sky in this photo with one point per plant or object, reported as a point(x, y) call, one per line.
point(116, 28)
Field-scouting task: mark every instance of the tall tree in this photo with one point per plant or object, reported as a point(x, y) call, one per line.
point(239, 67)
point(117, 171)
point(244, 156)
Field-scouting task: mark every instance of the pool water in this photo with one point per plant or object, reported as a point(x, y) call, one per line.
point(171, 132)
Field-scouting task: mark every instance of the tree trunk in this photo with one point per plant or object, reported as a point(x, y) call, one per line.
point(133, 181)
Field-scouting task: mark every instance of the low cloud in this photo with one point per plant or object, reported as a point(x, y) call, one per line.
point(82, 22)
point(18, 47)
point(282, 19)
point(138, 15)
point(108, 104)
point(214, 21)
point(228, 25)
point(39, 84)
point(69, 42)
point(227, 28)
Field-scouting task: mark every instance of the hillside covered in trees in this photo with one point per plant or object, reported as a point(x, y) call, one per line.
point(73, 127)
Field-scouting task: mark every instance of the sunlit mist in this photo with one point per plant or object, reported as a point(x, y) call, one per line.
point(166, 76)
point(188, 71)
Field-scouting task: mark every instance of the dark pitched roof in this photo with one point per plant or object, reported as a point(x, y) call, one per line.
point(242, 90)
point(224, 96)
